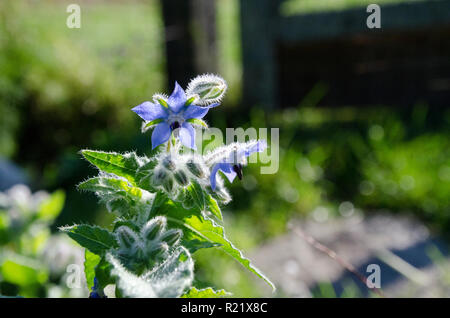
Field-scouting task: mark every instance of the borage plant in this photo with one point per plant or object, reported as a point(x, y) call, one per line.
point(166, 206)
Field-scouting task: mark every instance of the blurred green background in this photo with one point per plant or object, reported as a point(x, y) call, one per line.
point(62, 90)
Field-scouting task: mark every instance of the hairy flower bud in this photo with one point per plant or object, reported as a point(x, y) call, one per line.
point(126, 236)
point(221, 194)
point(158, 249)
point(168, 184)
point(195, 168)
point(207, 89)
point(168, 163)
point(153, 228)
point(181, 177)
point(172, 237)
point(186, 199)
point(159, 177)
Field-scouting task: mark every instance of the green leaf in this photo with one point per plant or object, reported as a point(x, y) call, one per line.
point(197, 121)
point(202, 200)
point(133, 168)
point(143, 175)
point(103, 273)
point(169, 279)
point(91, 260)
point(213, 207)
point(94, 238)
point(205, 293)
point(121, 165)
point(200, 232)
point(118, 195)
point(22, 271)
point(105, 186)
point(50, 208)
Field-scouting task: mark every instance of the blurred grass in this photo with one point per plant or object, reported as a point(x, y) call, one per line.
point(335, 161)
point(64, 89)
point(114, 61)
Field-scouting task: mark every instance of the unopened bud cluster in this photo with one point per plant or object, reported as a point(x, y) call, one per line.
point(175, 172)
point(142, 248)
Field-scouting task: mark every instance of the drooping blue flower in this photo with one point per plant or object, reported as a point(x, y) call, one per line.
point(172, 114)
point(237, 155)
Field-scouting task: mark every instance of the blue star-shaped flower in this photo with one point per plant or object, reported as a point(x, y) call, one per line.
point(172, 117)
point(232, 166)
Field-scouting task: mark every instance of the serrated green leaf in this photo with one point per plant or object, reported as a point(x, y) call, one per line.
point(91, 260)
point(143, 175)
point(50, 208)
point(206, 293)
point(121, 165)
point(169, 279)
point(118, 195)
point(213, 207)
point(105, 185)
point(199, 232)
point(94, 238)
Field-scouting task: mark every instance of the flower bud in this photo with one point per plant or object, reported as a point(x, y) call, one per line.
point(139, 253)
point(154, 228)
point(181, 178)
point(172, 237)
point(186, 199)
point(126, 236)
point(159, 177)
point(195, 168)
point(168, 184)
point(221, 194)
point(158, 249)
point(207, 88)
point(168, 163)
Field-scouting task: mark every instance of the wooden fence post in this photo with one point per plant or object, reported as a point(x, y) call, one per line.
point(258, 30)
point(190, 34)
point(179, 41)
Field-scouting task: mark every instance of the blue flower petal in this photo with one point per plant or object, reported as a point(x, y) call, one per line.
point(227, 170)
point(212, 178)
point(160, 134)
point(178, 98)
point(260, 146)
point(195, 112)
point(149, 111)
point(187, 135)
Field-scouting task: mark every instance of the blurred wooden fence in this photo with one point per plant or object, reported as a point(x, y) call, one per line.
point(190, 33)
point(284, 58)
point(406, 61)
